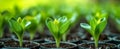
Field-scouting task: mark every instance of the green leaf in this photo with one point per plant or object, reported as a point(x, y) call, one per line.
point(38, 17)
point(86, 26)
point(31, 23)
point(32, 26)
point(100, 27)
point(16, 27)
point(49, 23)
point(25, 23)
point(64, 27)
point(19, 20)
point(93, 23)
point(62, 20)
point(51, 26)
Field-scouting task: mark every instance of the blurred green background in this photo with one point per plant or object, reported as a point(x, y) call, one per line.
point(73, 9)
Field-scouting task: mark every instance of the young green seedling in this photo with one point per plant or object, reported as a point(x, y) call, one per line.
point(18, 28)
point(96, 26)
point(33, 24)
point(4, 17)
point(58, 28)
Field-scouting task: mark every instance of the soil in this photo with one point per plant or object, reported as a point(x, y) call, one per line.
point(102, 37)
point(73, 37)
point(114, 30)
point(1, 44)
point(6, 35)
point(62, 45)
point(26, 44)
point(113, 42)
point(100, 46)
point(70, 38)
point(37, 38)
point(117, 38)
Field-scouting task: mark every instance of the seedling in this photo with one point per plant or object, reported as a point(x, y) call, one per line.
point(33, 24)
point(4, 17)
point(58, 28)
point(95, 27)
point(18, 28)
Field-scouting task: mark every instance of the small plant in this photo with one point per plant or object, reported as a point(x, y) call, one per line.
point(4, 17)
point(58, 28)
point(33, 24)
point(18, 28)
point(95, 27)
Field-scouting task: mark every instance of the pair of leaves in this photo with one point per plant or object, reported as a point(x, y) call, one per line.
point(16, 27)
point(19, 25)
point(52, 27)
point(59, 27)
point(94, 28)
point(32, 22)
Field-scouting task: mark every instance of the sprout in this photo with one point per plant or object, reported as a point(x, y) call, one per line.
point(18, 28)
point(96, 26)
point(58, 28)
point(32, 23)
point(4, 17)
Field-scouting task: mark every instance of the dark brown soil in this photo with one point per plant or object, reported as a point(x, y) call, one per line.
point(73, 37)
point(37, 38)
point(100, 46)
point(6, 35)
point(69, 38)
point(101, 38)
point(26, 44)
point(62, 45)
point(114, 30)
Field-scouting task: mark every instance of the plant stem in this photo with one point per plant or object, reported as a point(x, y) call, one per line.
point(96, 38)
point(32, 33)
point(64, 37)
point(20, 41)
point(57, 40)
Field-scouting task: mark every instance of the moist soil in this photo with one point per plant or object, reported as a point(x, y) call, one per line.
point(100, 46)
point(62, 45)
point(26, 44)
point(102, 37)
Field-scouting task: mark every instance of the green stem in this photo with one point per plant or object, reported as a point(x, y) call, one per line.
point(96, 38)
point(32, 35)
point(57, 40)
point(20, 41)
point(64, 37)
